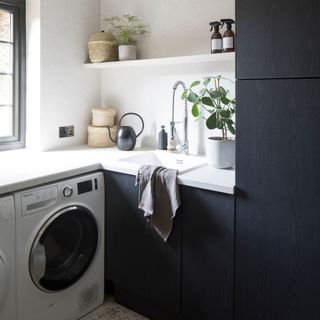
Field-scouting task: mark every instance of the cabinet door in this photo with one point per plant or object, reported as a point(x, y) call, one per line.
point(137, 259)
point(277, 39)
point(207, 254)
point(277, 252)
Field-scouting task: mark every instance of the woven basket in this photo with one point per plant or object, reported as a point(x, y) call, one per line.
point(98, 137)
point(102, 47)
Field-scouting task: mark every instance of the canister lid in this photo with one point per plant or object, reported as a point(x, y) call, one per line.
point(105, 111)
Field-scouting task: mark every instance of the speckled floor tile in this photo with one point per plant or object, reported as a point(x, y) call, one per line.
point(112, 311)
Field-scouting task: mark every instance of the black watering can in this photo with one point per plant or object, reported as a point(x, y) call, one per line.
point(126, 137)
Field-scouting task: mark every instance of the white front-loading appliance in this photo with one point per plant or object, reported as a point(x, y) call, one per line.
point(60, 249)
point(7, 259)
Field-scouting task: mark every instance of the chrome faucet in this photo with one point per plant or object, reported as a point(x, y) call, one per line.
point(184, 147)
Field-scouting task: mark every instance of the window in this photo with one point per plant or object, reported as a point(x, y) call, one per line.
point(12, 74)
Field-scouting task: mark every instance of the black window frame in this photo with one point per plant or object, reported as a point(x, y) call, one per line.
point(17, 140)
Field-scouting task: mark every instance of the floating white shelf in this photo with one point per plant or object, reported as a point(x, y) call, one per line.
point(204, 58)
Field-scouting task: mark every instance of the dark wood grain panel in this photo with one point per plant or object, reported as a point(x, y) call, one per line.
point(277, 273)
point(277, 39)
point(136, 257)
point(207, 254)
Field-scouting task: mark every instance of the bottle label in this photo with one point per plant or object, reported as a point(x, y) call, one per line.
point(216, 44)
point(228, 43)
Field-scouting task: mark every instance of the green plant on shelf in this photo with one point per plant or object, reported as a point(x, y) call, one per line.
point(213, 98)
point(127, 29)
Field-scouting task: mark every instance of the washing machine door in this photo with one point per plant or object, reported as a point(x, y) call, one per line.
point(63, 249)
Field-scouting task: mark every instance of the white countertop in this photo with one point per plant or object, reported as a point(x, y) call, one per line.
point(21, 169)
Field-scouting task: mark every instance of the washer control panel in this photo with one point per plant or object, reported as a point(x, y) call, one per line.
point(38, 199)
point(6, 208)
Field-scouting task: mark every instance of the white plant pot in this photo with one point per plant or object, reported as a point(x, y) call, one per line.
point(127, 52)
point(220, 153)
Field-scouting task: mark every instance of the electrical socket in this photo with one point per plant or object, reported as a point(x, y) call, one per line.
point(65, 132)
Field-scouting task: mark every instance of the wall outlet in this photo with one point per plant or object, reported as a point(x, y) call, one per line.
point(65, 132)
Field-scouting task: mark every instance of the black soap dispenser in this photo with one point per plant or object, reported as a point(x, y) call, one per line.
point(228, 36)
point(162, 139)
point(216, 38)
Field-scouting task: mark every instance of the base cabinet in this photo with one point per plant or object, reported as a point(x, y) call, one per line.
point(139, 263)
point(190, 276)
point(207, 255)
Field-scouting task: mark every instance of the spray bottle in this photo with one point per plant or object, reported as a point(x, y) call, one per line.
point(216, 38)
point(228, 36)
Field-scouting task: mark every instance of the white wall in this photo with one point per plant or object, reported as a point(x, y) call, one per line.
point(33, 52)
point(67, 91)
point(178, 27)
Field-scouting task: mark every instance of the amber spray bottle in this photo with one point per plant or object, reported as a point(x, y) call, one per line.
point(216, 38)
point(228, 36)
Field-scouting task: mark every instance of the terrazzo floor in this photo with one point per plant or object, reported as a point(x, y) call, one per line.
point(113, 311)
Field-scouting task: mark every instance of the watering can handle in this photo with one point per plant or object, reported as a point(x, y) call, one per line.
point(109, 132)
point(134, 114)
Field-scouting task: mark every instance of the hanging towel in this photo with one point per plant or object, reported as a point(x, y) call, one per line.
point(158, 197)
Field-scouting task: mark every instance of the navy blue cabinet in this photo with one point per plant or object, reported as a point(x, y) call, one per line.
point(190, 276)
point(277, 39)
point(144, 269)
point(207, 255)
point(277, 260)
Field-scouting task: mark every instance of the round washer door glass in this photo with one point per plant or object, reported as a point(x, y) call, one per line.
point(63, 249)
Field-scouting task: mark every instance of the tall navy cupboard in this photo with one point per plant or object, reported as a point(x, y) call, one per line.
point(277, 222)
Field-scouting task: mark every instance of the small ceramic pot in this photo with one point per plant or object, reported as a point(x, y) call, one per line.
point(127, 52)
point(220, 153)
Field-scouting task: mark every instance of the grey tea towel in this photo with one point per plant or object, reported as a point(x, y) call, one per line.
point(158, 197)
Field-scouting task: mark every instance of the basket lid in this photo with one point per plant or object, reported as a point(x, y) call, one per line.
point(105, 111)
point(102, 36)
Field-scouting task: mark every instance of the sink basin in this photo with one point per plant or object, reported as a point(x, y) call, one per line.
point(180, 162)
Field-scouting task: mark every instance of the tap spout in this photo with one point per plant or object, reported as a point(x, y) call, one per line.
point(184, 146)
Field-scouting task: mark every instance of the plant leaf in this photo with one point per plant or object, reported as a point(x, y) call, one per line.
point(195, 110)
point(207, 101)
point(212, 121)
point(195, 83)
point(206, 82)
point(225, 100)
point(215, 94)
point(231, 128)
point(203, 91)
point(225, 113)
point(192, 97)
point(229, 121)
point(222, 90)
point(219, 124)
point(184, 94)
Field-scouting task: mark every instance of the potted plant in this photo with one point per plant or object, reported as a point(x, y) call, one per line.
point(127, 29)
point(218, 113)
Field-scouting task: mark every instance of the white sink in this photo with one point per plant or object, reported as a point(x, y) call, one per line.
point(180, 162)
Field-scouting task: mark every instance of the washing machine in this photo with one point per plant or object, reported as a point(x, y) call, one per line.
point(60, 249)
point(7, 259)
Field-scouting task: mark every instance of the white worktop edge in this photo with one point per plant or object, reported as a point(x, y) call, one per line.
point(108, 160)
